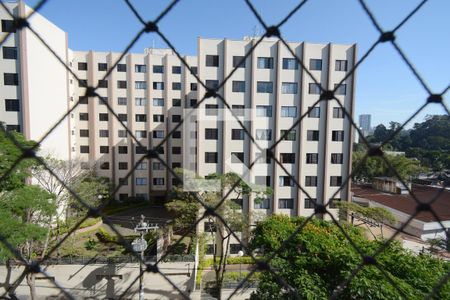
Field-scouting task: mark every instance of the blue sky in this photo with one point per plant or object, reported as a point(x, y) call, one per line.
point(385, 86)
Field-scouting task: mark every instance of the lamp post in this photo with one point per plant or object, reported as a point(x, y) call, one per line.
point(240, 254)
point(140, 245)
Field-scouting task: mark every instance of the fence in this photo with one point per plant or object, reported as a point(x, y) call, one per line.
point(152, 27)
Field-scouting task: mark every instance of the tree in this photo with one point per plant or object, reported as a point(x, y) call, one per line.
point(319, 258)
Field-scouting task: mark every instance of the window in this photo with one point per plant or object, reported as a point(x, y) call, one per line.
point(264, 134)
point(193, 102)
point(140, 68)
point(142, 196)
point(140, 150)
point(265, 63)
point(84, 116)
point(239, 110)
point(212, 60)
point(338, 113)
point(176, 134)
point(290, 64)
point(12, 105)
point(121, 67)
point(211, 133)
point(264, 110)
point(264, 87)
point(335, 180)
point(211, 109)
point(123, 117)
point(158, 85)
point(262, 180)
point(121, 101)
point(82, 66)
point(314, 89)
point(340, 89)
point(104, 165)
point(175, 102)
point(315, 64)
point(337, 135)
point(158, 134)
point(337, 158)
point(8, 26)
point(312, 135)
point(176, 165)
point(157, 101)
point(193, 86)
point(209, 227)
point(13, 128)
point(104, 149)
point(314, 112)
point(290, 135)
point(237, 157)
point(123, 197)
point(141, 181)
point(102, 66)
point(194, 70)
point(141, 118)
point(176, 86)
point(103, 117)
point(158, 181)
point(141, 85)
point(176, 70)
point(285, 181)
point(122, 149)
point(9, 52)
point(11, 78)
point(176, 118)
point(289, 111)
point(289, 87)
point(158, 118)
point(262, 158)
point(176, 150)
point(309, 202)
point(238, 62)
point(102, 100)
point(84, 149)
point(212, 84)
point(211, 157)
point(123, 166)
point(158, 69)
point(341, 65)
point(310, 180)
point(122, 133)
point(103, 83)
point(238, 86)
point(83, 100)
point(237, 134)
point(287, 158)
point(157, 166)
point(334, 202)
point(138, 101)
point(142, 166)
point(312, 158)
point(141, 134)
point(286, 203)
point(103, 133)
point(262, 203)
point(84, 133)
point(121, 84)
point(82, 83)
point(235, 248)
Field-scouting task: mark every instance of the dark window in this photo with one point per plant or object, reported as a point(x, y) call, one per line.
point(13, 128)
point(340, 89)
point(337, 135)
point(176, 86)
point(238, 62)
point(102, 66)
point(104, 149)
point(176, 118)
point(239, 110)
point(123, 197)
point(290, 135)
point(141, 150)
point(104, 166)
point(237, 157)
point(123, 117)
point(84, 133)
point(335, 180)
point(314, 112)
point(141, 118)
point(9, 52)
point(264, 87)
point(211, 157)
point(122, 133)
point(312, 135)
point(309, 202)
point(103, 133)
point(193, 86)
point(158, 134)
point(103, 83)
point(141, 134)
point(314, 89)
point(140, 68)
point(158, 85)
point(121, 84)
point(82, 83)
point(194, 70)
point(285, 181)
point(102, 100)
point(11, 78)
point(122, 149)
point(176, 134)
point(290, 64)
point(337, 158)
point(212, 60)
point(265, 63)
point(237, 134)
point(312, 158)
point(286, 203)
point(211, 133)
point(123, 166)
point(84, 149)
point(176, 150)
point(193, 102)
point(83, 100)
point(176, 165)
point(287, 158)
point(176, 70)
point(235, 248)
point(8, 26)
point(121, 68)
point(12, 105)
point(338, 113)
point(123, 181)
point(176, 102)
point(84, 116)
point(311, 181)
point(341, 65)
point(212, 84)
point(211, 109)
point(315, 64)
point(238, 86)
point(158, 69)
point(103, 117)
point(82, 66)
point(158, 118)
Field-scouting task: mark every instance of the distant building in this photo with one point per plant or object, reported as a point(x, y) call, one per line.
point(364, 124)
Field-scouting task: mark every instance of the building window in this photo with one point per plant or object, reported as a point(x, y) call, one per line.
point(102, 66)
point(121, 101)
point(12, 105)
point(82, 83)
point(264, 87)
point(84, 149)
point(309, 202)
point(238, 86)
point(264, 134)
point(122, 149)
point(158, 134)
point(312, 135)
point(140, 150)
point(8, 26)
point(11, 79)
point(287, 158)
point(289, 111)
point(211, 133)
point(158, 69)
point(121, 84)
point(123, 117)
point(286, 203)
point(262, 180)
point(84, 116)
point(238, 62)
point(122, 133)
point(194, 70)
point(340, 89)
point(315, 64)
point(235, 248)
point(335, 180)
point(13, 128)
point(121, 67)
point(84, 133)
point(176, 165)
point(289, 88)
point(312, 158)
point(140, 68)
point(264, 111)
point(193, 86)
point(104, 165)
point(212, 60)
point(314, 89)
point(175, 102)
point(290, 135)
point(123, 166)
point(123, 197)
point(158, 181)
point(341, 65)
point(314, 112)
point(211, 157)
point(290, 64)
point(141, 118)
point(141, 181)
point(337, 158)
point(82, 66)
point(104, 149)
point(176, 150)
point(239, 110)
point(338, 113)
point(211, 109)
point(337, 135)
point(9, 52)
point(140, 134)
point(142, 166)
point(103, 117)
point(157, 166)
point(193, 102)
point(212, 84)
point(176, 134)
point(102, 100)
point(158, 118)
point(176, 86)
point(140, 85)
point(285, 181)
point(176, 118)
point(265, 63)
point(158, 101)
point(310, 180)
point(102, 83)
point(83, 100)
point(176, 70)
point(262, 158)
point(237, 157)
point(158, 85)
point(103, 133)
point(138, 101)
point(262, 203)
point(237, 134)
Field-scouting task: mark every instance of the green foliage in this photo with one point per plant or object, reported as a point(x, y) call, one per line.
point(105, 237)
point(90, 244)
point(319, 258)
point(91, 189)
point(378, 214)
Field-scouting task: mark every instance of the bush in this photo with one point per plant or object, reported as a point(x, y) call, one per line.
point(104, 236)
point(90, 244)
